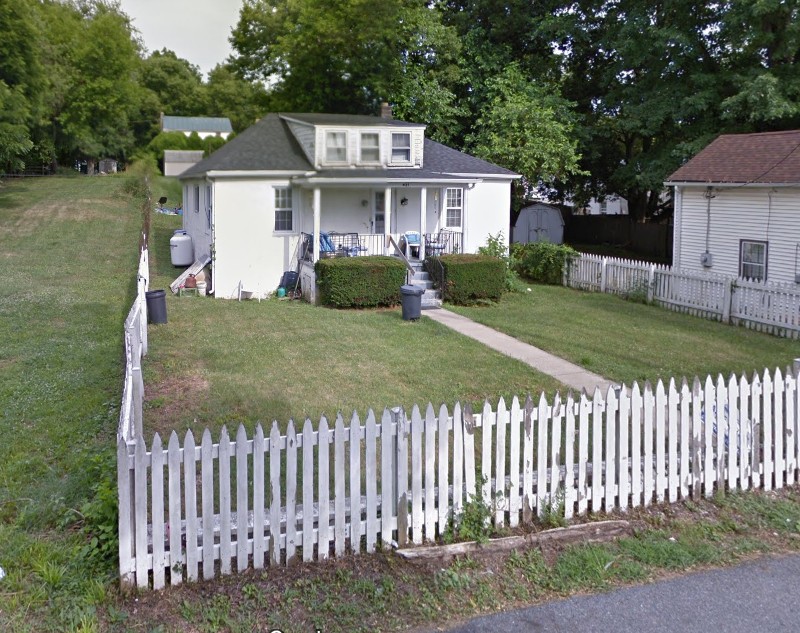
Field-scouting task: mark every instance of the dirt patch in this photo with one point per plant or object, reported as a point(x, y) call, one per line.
point(34, 217)
point(169, 395)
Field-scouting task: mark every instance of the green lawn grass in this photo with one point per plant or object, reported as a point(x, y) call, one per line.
point(627, 341)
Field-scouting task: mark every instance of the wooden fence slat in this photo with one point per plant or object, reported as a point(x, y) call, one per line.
point(126, 502)
point(401, 486)
point(709, 425)
point(768, 454)
point(275, 496)
point(140, 512)
point(636, 446)
point(583, 453)
point(190, 509)
point(323, 490)
point(673, 438)
point(514, 504)
point(469, 454)
point(291, 492)
point(355, 484)
point(623, 448)
point(416, 476)
point(487, 421)
point(371, 480)
point(242, 500)
point(780, 429)
point(698, 440)
point(610, 432)
point(444, 464)
point(661, 441)
point(207, 501)
point(543, 415)
point(684, 466)
point(500, 492)
point(597, 451)
point(430, 474)
point(388, 479)
point(458, 460)
point(157, 510)
point(722, 431)
point(339, 470)
point(224, 472)
point(259, 498)
point(177, 562)
point(745, 433)
point(308, 491)
point(647, 435)
point(733, 444)
point(791, 428)
point(556, 424)
point(527, 462)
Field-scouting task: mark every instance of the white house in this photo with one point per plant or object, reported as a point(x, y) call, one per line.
point(205, 126)
point(737, 207)
point(296, 187)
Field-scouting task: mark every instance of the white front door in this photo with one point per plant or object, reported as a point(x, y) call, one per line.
point(379, 213)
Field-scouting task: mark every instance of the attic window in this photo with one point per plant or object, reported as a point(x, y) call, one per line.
point(370, 147)
point(336, 147)
point(401, 147)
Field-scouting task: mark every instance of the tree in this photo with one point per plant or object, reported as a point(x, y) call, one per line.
point(177, 83)
point(243, 102)
point(527, 128)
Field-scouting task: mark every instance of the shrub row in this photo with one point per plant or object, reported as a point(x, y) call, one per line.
point(469, 278)
point(541, 262)
point(360, 282)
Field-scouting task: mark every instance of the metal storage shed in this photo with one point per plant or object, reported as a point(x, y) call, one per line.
point(539, 222)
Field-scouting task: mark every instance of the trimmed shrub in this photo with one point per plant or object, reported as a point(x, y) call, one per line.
point(469, 278)
point(360, 282)
point(541, 262)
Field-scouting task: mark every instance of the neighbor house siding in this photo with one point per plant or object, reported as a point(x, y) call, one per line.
point(248, 251)
point(739, 213)
point(195, 222)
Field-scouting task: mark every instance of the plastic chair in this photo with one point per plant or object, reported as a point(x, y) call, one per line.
point(410, 243)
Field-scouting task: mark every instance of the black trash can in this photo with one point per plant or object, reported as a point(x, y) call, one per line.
point(411, 300)
point(156, 306)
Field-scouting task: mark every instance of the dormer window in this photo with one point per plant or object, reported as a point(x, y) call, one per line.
point(336, 147)
point(370, 147)
point(401, 147)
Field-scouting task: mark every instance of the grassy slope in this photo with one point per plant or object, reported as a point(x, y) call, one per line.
point(628, 341)
point(68, 246)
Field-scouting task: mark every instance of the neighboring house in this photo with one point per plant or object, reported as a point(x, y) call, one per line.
point(204, 126)
point(539, 222)
point(178, 161)
point(610, 205)
point(737, 207)
point(262, 204)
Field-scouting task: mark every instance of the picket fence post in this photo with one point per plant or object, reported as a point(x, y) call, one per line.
point(727, 299)
point(603, 272)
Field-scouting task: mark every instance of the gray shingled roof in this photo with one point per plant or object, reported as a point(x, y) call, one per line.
point(196, 124)
point(269, 145)
point(347, 119)
point(763, 158)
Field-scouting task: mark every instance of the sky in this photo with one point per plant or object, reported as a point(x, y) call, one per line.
point(197, 30)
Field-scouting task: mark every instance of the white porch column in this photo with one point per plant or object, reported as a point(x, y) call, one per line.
point(387, 218)
point(316, 208)
point(423, 220)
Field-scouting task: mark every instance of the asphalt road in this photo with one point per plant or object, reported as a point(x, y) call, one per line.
point(754, 597)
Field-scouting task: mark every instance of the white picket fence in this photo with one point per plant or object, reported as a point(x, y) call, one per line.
point(765, 306)
point(189, 511)
point(130, 415)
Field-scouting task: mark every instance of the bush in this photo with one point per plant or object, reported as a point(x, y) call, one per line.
point(469, 279)
point(496, 247)
point(360, 282)
point(542, 262)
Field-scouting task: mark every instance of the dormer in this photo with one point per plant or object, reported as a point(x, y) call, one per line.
point(357, 142)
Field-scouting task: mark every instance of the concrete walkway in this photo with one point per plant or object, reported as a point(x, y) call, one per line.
point(571, 375)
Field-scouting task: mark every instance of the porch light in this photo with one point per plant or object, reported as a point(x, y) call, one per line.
point(403, 201)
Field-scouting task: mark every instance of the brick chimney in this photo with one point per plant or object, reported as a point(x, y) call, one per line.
point(386, 111)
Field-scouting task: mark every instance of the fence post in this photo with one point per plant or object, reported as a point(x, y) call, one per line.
point(401, 475)
point(603, 274)
point(651, 277)
point(727, 300)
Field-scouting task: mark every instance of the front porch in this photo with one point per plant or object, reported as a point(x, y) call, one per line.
point(411, 244)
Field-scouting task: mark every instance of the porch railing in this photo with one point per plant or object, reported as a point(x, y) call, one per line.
point(355, 244)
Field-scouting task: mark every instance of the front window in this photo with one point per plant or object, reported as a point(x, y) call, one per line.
point(370, 147)
point(336, 147)
point(283, 209)
point(454, 207)
point(753, 260)
point(401, 147)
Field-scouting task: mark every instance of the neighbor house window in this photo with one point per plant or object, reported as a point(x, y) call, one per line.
point(336, 147)
point(208, 206)
point(401, 147)
point(370, 147)
point(753, 260)
point(283, 209)
point(196, 198)
point(454, 207)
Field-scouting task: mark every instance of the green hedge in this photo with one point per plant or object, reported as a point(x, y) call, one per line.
point(542, 262)
point(360, 282)
point(469, 278)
